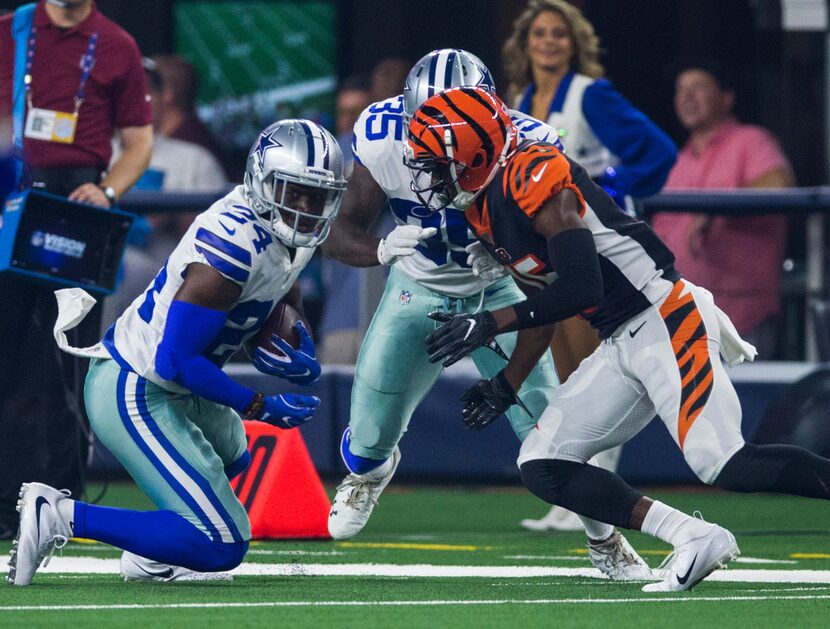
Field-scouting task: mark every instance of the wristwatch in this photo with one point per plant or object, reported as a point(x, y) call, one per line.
point(110, 194)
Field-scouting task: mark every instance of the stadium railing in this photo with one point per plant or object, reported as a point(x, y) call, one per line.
point(805, 282)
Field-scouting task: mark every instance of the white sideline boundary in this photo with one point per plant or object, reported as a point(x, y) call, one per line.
point(543, 601)
point(95, 565)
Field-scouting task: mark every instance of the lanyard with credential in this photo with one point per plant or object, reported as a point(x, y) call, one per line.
point(86, 68)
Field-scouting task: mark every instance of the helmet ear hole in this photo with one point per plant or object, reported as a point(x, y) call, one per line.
point(478, 160)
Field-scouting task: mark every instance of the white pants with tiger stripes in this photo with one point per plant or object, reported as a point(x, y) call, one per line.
point(666, 361)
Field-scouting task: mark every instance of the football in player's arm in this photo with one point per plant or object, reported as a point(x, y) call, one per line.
point(196, 317)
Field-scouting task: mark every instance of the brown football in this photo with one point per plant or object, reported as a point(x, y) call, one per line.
point(280, 322)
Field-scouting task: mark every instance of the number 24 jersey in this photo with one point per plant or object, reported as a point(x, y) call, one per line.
point(229, 238)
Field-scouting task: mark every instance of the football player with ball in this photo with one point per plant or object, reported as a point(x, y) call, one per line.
point(156, 394)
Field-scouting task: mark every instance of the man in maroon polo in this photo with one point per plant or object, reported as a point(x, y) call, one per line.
point(85, 83)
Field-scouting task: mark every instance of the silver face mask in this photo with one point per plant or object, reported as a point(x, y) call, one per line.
point(294, 181)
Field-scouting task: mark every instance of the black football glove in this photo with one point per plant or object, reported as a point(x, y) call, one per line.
point(460, 335)
point(486, 401)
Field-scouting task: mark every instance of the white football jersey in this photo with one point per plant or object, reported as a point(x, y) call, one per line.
point(228, 238)
point(440, 263)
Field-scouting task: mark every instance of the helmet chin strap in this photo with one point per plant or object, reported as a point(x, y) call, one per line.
point(464, 198)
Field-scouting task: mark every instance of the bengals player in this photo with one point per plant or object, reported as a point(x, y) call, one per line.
point(558, 233)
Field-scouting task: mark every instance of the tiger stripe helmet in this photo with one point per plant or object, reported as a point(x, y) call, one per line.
point(441, 70)
point(458, 139)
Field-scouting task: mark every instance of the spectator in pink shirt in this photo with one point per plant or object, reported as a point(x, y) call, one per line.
point(739, 259)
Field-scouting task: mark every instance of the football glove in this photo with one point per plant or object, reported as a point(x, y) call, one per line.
point(298, 366)
point(401, 242)
point(486, 401)
point(459, 336)
point(289, 410)
point(483, 264)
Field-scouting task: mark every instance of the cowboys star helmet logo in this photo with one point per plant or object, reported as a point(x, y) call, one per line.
point(266, 141)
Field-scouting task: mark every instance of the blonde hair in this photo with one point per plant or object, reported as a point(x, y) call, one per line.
point(514, 52)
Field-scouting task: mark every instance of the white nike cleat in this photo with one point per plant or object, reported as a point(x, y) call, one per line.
point(356, 496)
point(557, 519)
point(42, 530)
point(617, 559)
point(695, 560)
point(137, 568)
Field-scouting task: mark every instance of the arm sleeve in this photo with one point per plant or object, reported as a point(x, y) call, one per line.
point(188, 331)
point(577, 287)
point(646, 153)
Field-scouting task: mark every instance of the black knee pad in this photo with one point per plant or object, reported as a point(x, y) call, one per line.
point(546, 477)
point(582, 488)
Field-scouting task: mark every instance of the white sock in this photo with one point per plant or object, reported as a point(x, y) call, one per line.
point(596, 531)
point(672, 526)
point(381, 470)
point(66, 509)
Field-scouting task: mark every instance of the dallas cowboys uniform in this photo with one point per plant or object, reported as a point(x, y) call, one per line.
point(175, 445)
point(393, 373)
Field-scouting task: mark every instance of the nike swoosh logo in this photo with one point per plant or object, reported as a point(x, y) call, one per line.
point(38, 505)
point(682, 580)
point(164, 574)
point(538, 175)
point(231, 232)
point(637, 329)
point(470, 330)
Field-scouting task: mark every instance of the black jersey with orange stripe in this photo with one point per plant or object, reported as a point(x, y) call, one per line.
point(637, 268)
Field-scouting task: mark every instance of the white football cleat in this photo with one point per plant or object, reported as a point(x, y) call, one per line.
point(356, 496)
point(42, 530)
point(137, 568)
point(617, 559)
point(695, 560)
point(557, 519)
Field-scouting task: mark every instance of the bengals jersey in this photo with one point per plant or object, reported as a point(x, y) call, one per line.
point(637, 268)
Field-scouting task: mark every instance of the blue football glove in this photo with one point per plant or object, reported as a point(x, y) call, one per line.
point(289, 410)
point(298, 366)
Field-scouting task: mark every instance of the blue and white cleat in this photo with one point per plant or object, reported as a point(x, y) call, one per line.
point(42, 530)
point(356, 497)
point(695, 560)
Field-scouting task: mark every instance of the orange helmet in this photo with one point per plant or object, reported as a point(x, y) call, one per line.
point(457, 141)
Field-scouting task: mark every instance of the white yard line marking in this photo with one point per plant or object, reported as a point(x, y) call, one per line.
point(761, 560)
point(546, 557)
point(543, 601)
point(94, 565)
